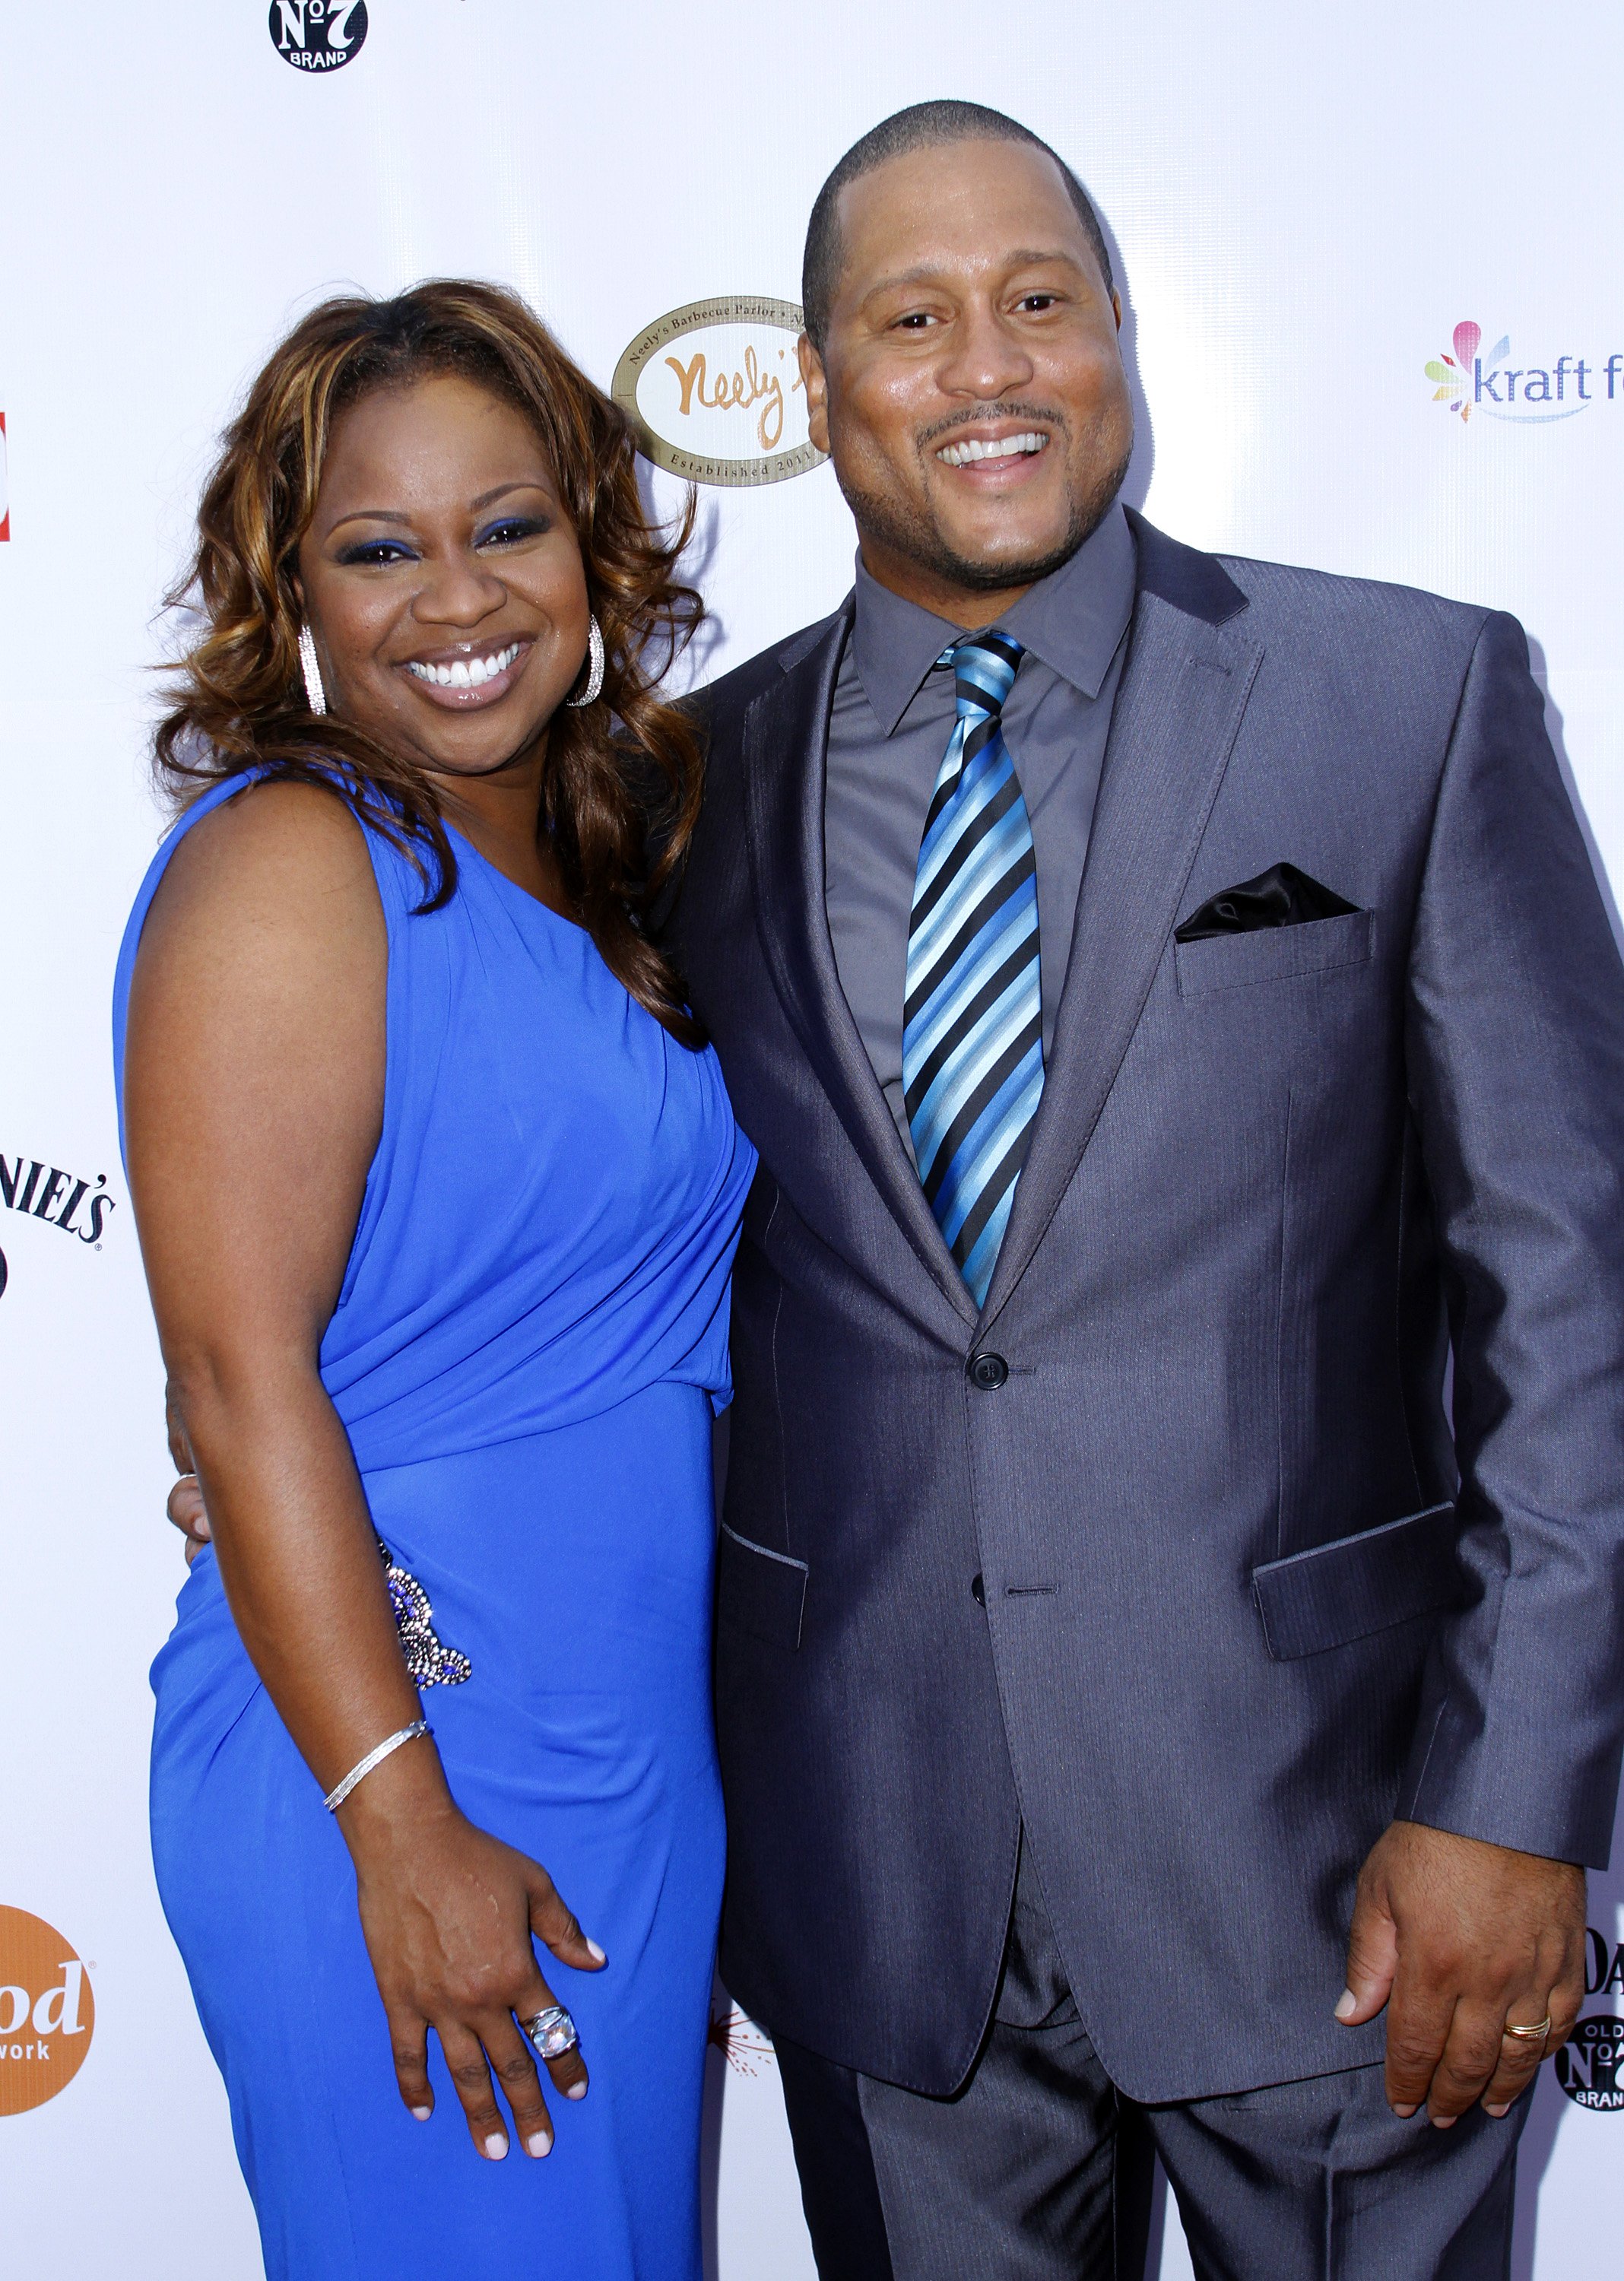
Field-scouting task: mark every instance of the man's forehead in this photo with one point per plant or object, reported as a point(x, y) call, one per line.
point(956, 205)
point(982, 257)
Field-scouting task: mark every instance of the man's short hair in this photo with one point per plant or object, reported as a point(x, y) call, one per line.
point(922, 127)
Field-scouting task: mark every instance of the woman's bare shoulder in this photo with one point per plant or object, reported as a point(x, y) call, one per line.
point(283, 859)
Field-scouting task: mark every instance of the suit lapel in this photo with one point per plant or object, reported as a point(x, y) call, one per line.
point(786, 752)
point(1184, 689)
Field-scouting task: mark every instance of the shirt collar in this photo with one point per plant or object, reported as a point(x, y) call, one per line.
point(1073, 620)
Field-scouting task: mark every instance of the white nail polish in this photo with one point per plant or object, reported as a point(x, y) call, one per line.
point(576, 2090)
point(538, 2144)
point(595, 1952)
point(422, 2113)
point(496, 2146)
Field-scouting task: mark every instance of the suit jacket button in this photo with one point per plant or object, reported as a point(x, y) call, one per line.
point(978, 1591)
point(988, 1371)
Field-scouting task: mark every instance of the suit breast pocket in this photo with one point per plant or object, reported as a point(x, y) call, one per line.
point(1276, 954)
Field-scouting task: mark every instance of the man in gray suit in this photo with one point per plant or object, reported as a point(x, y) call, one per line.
point(1175, 1008)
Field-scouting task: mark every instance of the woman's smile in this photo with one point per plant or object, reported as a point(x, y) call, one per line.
point(466, 675)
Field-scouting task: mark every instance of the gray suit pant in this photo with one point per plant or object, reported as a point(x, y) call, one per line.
point(1030, 2173)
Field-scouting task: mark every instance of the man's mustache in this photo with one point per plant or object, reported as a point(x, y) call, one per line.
point(1006, 408)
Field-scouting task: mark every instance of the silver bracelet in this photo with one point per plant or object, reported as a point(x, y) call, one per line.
point(335, 1798)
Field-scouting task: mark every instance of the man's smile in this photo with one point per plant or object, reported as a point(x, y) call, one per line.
point(970, 449)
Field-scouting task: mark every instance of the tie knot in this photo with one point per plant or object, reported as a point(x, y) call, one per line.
point(984, 668)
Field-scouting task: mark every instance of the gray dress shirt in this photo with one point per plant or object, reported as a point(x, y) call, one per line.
point(892, 718)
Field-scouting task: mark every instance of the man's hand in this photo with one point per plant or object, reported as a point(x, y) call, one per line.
point(186, 1507)
point(185, 1510)
point(1460, 1939)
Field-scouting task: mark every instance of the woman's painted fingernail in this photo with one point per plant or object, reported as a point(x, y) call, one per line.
point(1347, 2005)
point(422, 2113)
point(595, 1952)
point(576, 2090)
point(539, 2143)
point(496, 2146)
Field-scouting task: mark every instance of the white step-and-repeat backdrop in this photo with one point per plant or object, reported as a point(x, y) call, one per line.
point(1375, 320)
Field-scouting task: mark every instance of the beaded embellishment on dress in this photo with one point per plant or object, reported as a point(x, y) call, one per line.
point(430, 1662)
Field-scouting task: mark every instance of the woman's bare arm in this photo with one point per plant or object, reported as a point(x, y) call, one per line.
point(254, 1094)
point(253, 1102)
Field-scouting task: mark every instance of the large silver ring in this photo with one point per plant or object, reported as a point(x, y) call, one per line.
point(552, 2032)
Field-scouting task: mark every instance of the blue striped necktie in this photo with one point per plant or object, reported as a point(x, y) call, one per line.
point(972, 1021)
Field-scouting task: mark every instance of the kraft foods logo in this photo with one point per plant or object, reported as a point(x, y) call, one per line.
point(714, 391)
point(47, 2012)
point(1488, 383)
point(740, 2042)
point(318, 36)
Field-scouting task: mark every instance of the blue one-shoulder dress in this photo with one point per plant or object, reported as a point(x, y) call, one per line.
point(529, 1346)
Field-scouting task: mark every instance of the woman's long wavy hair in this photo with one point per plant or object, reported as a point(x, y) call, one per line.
point(623, 775)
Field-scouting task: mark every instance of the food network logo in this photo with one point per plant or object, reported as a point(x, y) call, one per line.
point(1469, 383)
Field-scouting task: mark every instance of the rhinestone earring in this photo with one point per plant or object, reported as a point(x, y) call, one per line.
point(311, 666)
point(594, 667)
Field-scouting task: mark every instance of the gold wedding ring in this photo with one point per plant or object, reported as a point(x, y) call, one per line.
point(1535, 2032)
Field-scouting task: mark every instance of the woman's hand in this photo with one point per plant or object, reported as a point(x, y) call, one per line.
point(449, 1913)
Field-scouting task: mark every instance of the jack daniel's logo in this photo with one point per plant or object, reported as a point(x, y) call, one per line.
point(80, 1207)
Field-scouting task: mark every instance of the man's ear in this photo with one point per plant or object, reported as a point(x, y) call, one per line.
point(815, 381)
point(1116, 307)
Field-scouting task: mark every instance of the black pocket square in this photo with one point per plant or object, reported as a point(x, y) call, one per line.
point(1281, 896)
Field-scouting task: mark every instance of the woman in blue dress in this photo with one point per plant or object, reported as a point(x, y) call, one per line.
point(438, 1189)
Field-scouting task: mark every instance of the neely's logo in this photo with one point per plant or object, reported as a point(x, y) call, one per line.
point(318, 36)
point(714, 392)
point(1529, 394)
point(47, 2012)
point(5, 486)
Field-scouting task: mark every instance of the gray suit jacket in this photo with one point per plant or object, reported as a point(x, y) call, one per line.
point(1171, 1554)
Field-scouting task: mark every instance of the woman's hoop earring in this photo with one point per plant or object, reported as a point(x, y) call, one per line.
point(594, 667)
point(311, 666)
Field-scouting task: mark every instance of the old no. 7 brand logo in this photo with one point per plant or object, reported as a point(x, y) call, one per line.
point(318, 36)
point(1475, 380)
point(1590, 2066)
